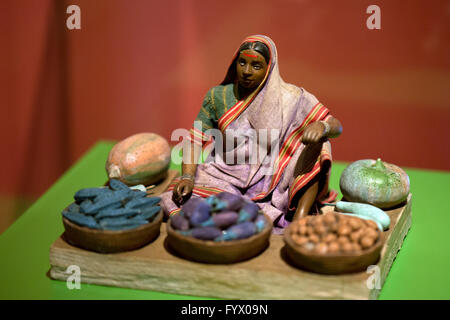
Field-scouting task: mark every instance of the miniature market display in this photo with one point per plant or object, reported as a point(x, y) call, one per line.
point(242, 224)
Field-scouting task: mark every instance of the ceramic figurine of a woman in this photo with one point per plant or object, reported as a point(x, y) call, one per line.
point(254, 98)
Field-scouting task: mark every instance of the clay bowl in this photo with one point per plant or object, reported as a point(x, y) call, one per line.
point(338, 263)
point(225, 252)
point(109, 241)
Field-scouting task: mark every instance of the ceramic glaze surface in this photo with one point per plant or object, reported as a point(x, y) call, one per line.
point(142, 158)
point(375, 182)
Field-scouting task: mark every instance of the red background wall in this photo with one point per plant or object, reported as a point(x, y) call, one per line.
point(138, 66)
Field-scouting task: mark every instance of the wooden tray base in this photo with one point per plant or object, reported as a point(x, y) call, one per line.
point(267, 276)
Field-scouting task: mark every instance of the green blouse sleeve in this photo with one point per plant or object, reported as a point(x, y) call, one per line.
point(207, 114)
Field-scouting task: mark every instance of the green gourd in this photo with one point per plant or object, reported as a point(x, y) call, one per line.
point(377, 183)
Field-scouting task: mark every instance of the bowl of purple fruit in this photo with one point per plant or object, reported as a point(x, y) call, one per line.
point(112, 219)
point(221, 229)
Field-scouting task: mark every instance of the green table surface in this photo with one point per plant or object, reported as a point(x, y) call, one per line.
point(420, 271)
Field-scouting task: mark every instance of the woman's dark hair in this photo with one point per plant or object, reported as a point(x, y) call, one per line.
point(259, 47)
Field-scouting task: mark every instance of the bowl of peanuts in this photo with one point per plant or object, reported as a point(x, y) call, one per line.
point(333, 243)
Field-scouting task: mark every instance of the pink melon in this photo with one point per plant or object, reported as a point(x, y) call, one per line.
point(143, 158)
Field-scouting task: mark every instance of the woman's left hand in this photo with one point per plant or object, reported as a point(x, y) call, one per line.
point(313, 133)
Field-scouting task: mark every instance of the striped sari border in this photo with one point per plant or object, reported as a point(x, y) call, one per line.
point(318, 112)
point(294, 142)
point(302, 180)
point(199, 138)
point(240, 106)
point(174, 212)
point(230, 115)
point(203, 192)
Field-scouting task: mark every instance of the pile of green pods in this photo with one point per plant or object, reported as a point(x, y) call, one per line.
point(116, 207)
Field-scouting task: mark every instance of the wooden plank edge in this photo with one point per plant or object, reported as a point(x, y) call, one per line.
point(237, 283)
point(393, 246)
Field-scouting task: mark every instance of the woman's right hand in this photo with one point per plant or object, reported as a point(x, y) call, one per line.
point(182, 191)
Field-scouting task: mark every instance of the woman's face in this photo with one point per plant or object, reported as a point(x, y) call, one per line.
point(251, 68)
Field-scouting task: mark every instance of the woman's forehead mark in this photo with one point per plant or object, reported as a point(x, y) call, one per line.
point(250, 55)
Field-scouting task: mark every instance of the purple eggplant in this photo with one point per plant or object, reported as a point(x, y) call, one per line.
point(189, 207)
point(203, 233)
point(233, 202)
point(221, 220)
point(200, 214)
point(179, 222)
point(260, 223)
point(216, 204)
point(238, 231)
point(248, 212)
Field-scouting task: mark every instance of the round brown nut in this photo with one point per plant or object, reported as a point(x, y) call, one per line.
point(308, 246)
point(355, 235)
point(318, 219)
point(330, 237)
point(295, 237)
point(329, 218)
point(320, 229)
point(333, 247)
point(309, 231)
point(371, 232)
point(347, 247)
point(355, 223)
point(343, 239)
point(314, 238)
point(372, 224)
point(321, 248)
point(301, 222)
point(333, 227)
point(344, 230)
point(377, 236)
point(356, 247)
point(303, 230)
point(300, 240)
point(367, 242)
point(295, 228)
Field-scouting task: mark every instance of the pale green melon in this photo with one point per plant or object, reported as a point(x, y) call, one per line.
point(381, 184)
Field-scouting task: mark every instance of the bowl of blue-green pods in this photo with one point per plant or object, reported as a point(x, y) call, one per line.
point(112, 218)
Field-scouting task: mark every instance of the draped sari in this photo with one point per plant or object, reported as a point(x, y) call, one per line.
point(280, 111)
